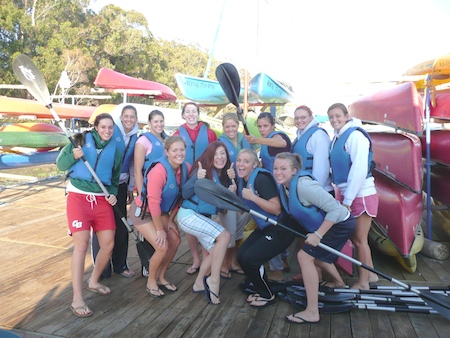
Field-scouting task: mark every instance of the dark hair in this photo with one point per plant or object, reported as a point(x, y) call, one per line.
point(207, 161)
point(303, 107)
point(341, 106)
point(102, 116)
point(268, 116)
point(295, 159)
point(129, 106)
point(187, 104)
point(153, 113)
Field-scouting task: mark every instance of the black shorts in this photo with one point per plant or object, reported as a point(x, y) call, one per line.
point(336, 238)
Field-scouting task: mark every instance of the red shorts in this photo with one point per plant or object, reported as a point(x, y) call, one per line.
point(86, 211)
point(366, 204)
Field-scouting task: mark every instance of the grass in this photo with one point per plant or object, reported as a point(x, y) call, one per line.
point(39, 171)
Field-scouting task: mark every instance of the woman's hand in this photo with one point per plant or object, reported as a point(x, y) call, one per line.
point(130, 197)
point(251, 139)
point(201, 173)
point(173, 226)
point(233, 186)
point(112, 199)
point(248, 193)
point(161, 238)
point(231, 172)
point(77, 153)
point(349, 208)
point(312, 239)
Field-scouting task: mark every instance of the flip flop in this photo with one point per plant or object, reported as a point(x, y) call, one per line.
point(267, 303)
point(303, 321)
point(165, 287)
point(225, 275)
point(82, 307)
point(128, 273)
point(101, 290)
point(208, 292)
point(192, 271)
point(238, 271)
point(151, 292)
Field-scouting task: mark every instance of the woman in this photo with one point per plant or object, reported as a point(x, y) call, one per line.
point(194, 217)
point(351, 159)
point(197, 136)
point(149, 147)
point(87, 205)
point(231, 220)
point(272, 142)
point(125, 134)
point(312, 144)
point(325, 220)
point(259, 192)
point(153, 215)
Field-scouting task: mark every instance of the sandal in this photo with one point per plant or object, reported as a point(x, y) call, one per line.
point(239, 271)
point(128, 273)
point(192, 271)
point(76, 311)
point(101, 290)
point(168, 287)
point(155, 293)
point(225, 275)
point(266, 302)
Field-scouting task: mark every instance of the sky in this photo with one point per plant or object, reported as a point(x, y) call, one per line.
point(327, 50)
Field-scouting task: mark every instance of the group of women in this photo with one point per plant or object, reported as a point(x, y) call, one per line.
point(280, 184)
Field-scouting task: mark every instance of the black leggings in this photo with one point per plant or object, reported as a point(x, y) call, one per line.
point(260, 247)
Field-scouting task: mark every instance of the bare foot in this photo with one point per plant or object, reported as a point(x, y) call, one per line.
point(303, 317)
point(211, 290)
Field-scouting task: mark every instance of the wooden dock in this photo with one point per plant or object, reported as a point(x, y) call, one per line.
point(35, 289)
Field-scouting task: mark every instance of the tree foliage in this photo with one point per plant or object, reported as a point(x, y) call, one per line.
point(65, 35)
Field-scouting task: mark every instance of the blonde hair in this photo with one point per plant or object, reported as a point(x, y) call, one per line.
point(252, 153)
point(294, 159)
point(171, 140)
point(230, 116)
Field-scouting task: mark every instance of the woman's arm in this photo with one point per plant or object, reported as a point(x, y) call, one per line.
point(139, 159)
point(275, 141)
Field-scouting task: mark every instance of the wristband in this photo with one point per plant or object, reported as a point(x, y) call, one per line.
point(318, 235)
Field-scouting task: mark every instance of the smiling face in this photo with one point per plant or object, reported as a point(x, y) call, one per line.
point(105, 128)
point(283, 171)
point(230, 128)
point(191, 115)
point(156, 124)
point(220, 158)
point(245, 164)
point(128, 119)
point(302, 118)
point(176, 153)
point(265, 127)
point(337, 118)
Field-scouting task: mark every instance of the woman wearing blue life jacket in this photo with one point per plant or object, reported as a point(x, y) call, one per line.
point(194, 217)
point(197, 136)
point(125, 134)
point(231, 220)
point(272, 142)
point(149, 147)
point(87, 205)
point(259, 191)
point(351, 158)
point(325, 220)
point(153, 212)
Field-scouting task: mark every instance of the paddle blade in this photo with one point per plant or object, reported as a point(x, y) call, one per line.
point(219, 196)
point(439, 302)
point(145, 251)
point(228, 78)
point(31, 78)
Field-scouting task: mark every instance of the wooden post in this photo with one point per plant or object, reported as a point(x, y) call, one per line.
point(245, 93)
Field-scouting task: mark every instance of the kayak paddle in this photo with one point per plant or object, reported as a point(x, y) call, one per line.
point(229, 80)
point(28, 74)
point(223, 198)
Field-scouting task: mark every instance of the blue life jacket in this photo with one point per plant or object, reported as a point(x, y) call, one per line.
point(251, 181)
point(194, 150)
point(199, 206)
point(171, 191)
point(340, 160)
point(102, 163)
point(299, 147)
point(267, 159)
point(157, 149)
point(126, 151)
point(310, 217)
point(232, 150)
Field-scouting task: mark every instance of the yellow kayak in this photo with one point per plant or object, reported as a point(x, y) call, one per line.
point(438, 68)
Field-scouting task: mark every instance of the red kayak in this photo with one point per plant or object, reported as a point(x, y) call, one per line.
point(440, 183)
point(110, 79)
point(399, 107)
point(439, 146)
point(441, 108)
point(399, 212)
point(399, 156)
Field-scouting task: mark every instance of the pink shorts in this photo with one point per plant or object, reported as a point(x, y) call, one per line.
point(366, 204)
point(86, 211)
